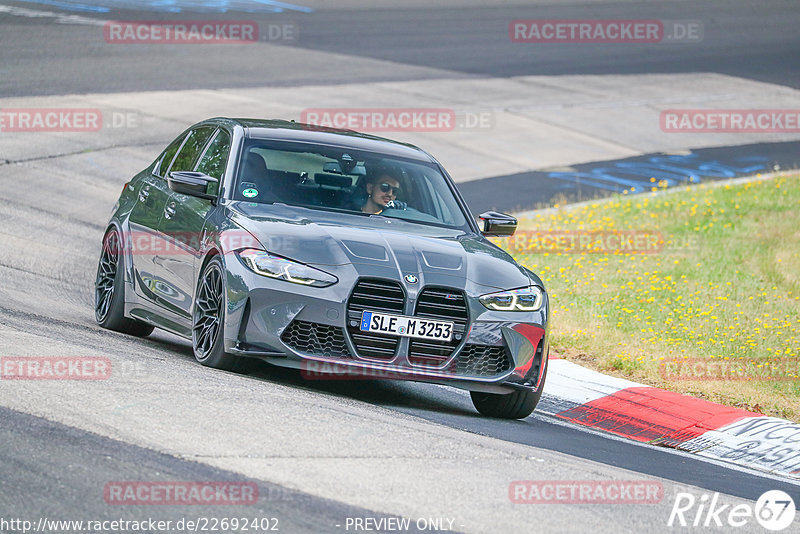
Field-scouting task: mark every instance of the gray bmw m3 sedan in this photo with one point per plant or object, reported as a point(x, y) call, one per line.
point(340, 254)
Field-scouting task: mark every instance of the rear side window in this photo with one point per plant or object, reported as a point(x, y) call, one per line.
point(191, 149)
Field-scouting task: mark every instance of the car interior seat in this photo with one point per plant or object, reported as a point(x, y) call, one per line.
point(254, 176)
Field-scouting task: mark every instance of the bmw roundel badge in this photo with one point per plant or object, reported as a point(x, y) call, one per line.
point(411, 279)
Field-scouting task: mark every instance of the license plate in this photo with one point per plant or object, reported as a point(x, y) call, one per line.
point(401, 325)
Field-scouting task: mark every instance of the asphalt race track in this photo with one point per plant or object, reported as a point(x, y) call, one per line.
point(751, 40)
point(324, 452)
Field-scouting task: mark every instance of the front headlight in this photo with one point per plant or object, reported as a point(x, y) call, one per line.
point(526, 299)
point(266, 264)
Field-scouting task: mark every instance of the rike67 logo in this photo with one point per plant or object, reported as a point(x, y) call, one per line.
point(774, 511)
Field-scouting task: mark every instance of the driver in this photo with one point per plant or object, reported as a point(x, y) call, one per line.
point(382, 189)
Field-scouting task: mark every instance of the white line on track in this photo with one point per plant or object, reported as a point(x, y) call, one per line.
point(59, 18)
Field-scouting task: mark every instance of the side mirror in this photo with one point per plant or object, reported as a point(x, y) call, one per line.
point(498, 224)
point(191, 183)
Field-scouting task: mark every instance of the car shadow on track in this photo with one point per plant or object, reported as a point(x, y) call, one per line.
point(398, 394)
point(429, 401)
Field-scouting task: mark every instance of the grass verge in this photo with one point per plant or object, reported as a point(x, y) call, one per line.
point(693, 289)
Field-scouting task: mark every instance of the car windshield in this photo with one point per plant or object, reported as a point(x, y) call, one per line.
point(341, 179)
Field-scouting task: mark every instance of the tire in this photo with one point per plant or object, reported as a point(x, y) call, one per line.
point(517, 405)
point(109, 291)
point(208, 320)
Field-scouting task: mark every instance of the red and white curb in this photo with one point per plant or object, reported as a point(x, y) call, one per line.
point(660, 417)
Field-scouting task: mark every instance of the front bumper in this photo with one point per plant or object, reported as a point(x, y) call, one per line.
point(312, 329)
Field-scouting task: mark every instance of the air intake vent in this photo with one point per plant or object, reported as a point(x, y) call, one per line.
point(446, 305)
point(316, 339)
point(380, 296)
point(482, 360)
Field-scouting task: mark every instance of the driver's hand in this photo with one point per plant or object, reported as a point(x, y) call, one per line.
point(396, 205)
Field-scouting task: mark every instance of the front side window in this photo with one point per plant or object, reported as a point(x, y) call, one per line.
point(215, 157)
point(167, 156)
point(339, 179)
point(191, 149)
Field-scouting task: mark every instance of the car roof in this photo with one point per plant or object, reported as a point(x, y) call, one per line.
point(282, 130)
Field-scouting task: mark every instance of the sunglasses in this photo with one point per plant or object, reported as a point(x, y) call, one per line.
point(385, 188)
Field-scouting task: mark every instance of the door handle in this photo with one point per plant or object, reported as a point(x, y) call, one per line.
point(169, 210)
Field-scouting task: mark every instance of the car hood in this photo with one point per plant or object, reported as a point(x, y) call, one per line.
point(380, 246)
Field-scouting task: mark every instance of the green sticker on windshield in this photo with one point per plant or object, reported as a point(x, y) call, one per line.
point(250, 193)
